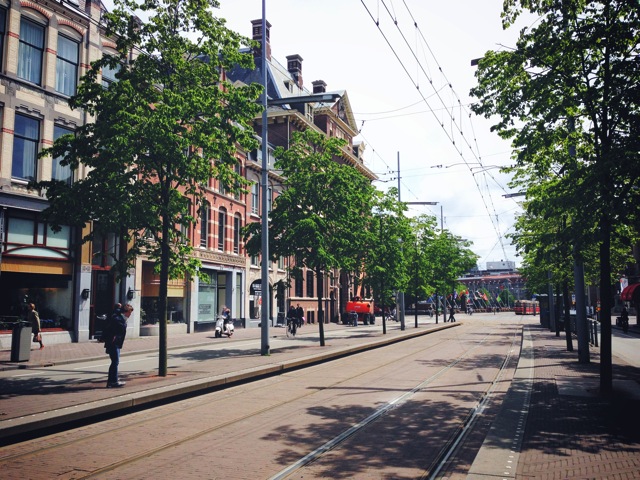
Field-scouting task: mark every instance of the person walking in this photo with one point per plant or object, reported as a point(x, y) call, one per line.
point(114, 334)
point(624, 319)
point(451, 312)
point(300, 315)
point(34, 319)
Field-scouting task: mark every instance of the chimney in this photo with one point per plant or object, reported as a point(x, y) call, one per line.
point(257, 36)
point(319, 86)
point(294, 65)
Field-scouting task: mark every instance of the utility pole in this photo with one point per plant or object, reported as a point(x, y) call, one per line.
point(400, 299)
point(265, 299)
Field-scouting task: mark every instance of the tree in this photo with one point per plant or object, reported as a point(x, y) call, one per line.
point(390, 241)
point(161, 132)
point(568, 97)
point(320, 218)
point(420, 283)
point(450, 257)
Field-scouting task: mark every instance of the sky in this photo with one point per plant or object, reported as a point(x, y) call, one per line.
point(406, 66)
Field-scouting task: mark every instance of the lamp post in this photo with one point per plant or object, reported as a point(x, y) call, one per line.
point(265, 296)
point(264, 281)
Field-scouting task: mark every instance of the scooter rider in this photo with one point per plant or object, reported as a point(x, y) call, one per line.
point(227, 321)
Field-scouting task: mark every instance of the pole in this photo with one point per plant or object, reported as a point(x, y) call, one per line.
point(264, 292)
point(400, 300)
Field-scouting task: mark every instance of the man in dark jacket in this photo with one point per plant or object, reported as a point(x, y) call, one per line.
point(115, 331)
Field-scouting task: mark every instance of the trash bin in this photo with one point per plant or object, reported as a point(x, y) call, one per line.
point(21, 342)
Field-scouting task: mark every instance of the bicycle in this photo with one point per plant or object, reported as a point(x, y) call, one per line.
point(292, 326)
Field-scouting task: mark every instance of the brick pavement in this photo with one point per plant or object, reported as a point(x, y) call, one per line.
point(573, 432)
point(570, 431)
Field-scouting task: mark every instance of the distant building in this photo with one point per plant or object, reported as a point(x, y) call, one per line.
point(502, 265)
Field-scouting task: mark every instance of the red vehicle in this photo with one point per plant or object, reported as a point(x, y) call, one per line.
point(526, 307)
point(363, 308)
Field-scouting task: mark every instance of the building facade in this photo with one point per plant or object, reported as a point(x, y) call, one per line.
point(45, 48)
point(332, 117)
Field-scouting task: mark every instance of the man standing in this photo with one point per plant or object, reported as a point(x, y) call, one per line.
point(115, 331)
point(451, 313)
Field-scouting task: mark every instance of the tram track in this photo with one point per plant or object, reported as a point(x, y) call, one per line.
point(450, 447)
point(167, 415)
point(165, 418)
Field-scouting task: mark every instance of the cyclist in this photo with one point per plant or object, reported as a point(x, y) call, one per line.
point(292, 326)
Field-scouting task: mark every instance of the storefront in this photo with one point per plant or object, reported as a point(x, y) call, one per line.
point(36, 266)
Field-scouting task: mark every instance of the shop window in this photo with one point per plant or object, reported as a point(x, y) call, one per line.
point(30, 52)
point(26, 138)
point(28, 232)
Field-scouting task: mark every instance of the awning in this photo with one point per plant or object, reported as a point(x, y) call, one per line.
point(627, 293)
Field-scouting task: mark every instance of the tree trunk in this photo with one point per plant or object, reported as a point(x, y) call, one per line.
point(606, 304)
point(162, 299)
point(567, 314)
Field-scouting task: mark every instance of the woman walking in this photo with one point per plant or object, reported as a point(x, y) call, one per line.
point(34, 320)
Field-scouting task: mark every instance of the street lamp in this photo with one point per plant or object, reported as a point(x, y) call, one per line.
point(264, 230)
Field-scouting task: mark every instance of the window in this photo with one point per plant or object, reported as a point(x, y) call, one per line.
point(204, 226)
point(67, 65)
point(222, 227)
point(3, 30)
point(254, 260)
point(269, 199)
point(299, 284)
point(30, 51)
point(221, 188)
point(26, 137)
point(238, 170)
point(255, 201)
point(309, 283)
point(280, 263)
point(237, 225)
point(60, 172)
point(109, 75)
point(29, 232)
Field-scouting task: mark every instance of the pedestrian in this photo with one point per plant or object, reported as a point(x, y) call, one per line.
point(299, 315)
point(34, 319)
point(451, 312)
point(624, 319)
point(114, 333)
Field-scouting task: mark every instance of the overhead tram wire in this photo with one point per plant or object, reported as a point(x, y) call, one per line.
point(449, 136)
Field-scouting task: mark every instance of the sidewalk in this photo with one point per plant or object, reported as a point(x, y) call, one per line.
point(553, 423)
